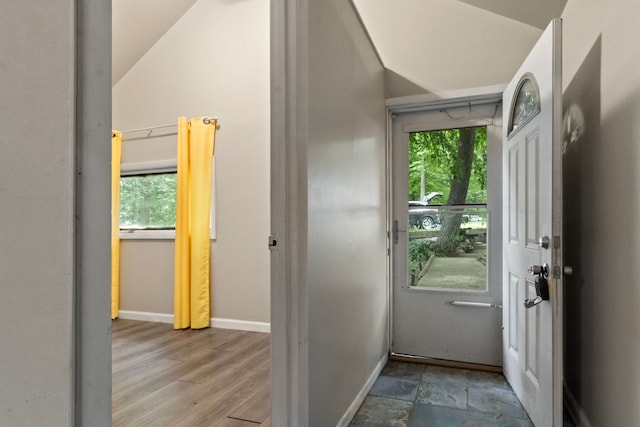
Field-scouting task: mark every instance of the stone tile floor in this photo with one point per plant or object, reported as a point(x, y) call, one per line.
point(416, 395)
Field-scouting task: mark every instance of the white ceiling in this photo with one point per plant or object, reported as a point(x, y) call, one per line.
point(137, 25)
point(426, 45)
point(537, 13)
point(444, 45)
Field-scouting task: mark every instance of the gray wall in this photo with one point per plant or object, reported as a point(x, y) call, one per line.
point(54, 221)
point(347, 291)
point(602, 200)
point(36, 213)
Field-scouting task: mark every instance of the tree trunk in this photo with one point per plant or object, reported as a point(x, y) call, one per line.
point(458, 194)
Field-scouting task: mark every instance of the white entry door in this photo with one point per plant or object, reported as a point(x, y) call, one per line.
point(532, 230)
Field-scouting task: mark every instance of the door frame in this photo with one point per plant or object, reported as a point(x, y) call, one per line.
point(426, 103)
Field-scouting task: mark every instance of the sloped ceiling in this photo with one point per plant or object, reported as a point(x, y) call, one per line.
point(427, 46)
point(536, 13)
point(432, 46)
point(137, 25)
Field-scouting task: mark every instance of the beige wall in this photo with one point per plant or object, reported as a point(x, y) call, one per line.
point(213, 62)
point(602, 203)
point(347, 288)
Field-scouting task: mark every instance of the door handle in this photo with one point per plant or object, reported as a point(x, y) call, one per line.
point(528, 303)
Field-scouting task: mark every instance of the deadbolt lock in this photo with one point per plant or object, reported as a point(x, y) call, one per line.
point(543, 242)
point(541, 283)
point(540, 270)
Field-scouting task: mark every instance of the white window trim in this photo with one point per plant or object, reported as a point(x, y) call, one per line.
point(163, 166)
point(147, 234)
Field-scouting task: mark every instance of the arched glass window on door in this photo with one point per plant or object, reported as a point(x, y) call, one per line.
point(526, 103)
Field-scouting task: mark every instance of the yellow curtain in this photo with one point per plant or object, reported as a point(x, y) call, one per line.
point(196, 145)
point(116, 156)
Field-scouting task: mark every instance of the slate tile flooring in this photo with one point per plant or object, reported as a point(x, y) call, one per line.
point(417, 395)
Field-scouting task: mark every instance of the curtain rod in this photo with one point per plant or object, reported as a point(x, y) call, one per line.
point(152, 128)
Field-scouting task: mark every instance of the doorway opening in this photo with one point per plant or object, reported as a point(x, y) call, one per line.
point(446, 219)
point(176, 71)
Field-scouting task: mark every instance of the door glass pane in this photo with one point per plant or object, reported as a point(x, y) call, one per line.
point(526, 105)
point(448, 217)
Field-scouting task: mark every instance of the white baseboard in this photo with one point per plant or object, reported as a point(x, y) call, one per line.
point(146, 316)
point(575, 411)
point(355, 405)
point(241, 325)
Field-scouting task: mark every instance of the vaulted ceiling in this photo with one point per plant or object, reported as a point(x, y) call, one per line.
point(427, 46)
point(137, 25)
point(431, 46)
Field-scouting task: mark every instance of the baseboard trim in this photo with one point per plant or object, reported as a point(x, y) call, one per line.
point(146, 316)
point(215, 322)
point(355, 405)
point(242, 325)
point(574, 410)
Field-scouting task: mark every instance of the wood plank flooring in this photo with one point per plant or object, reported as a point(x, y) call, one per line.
point(208, 377)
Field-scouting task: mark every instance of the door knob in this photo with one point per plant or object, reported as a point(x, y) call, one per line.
point(567, 270)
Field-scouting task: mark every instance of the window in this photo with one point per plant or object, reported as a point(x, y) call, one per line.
point(526, 105)
point(148, 201)
point(448, 216)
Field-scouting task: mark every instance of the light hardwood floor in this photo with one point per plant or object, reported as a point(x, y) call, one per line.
point(208, 377)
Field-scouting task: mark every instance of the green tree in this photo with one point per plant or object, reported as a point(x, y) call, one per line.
point(432, 157)
point(454, 163)
point(460, 177)
point(148, 201)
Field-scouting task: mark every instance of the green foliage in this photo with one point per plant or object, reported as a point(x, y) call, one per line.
point(434, 153)
point(449, 247)
point(419, 251)
point(453, 247)
point(148, 201)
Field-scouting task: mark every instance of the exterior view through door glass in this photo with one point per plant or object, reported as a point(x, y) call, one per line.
point(446, 221)
point(447, 209)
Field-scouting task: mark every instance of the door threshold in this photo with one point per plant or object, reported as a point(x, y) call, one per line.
point(442, 362)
